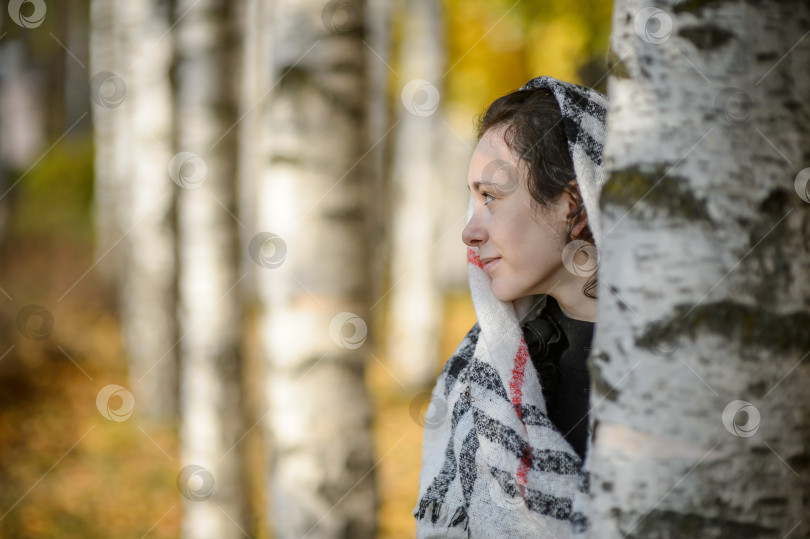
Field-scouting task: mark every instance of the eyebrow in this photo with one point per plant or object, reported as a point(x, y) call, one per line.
point(477, 185)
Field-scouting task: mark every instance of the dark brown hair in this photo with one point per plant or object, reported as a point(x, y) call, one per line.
point(535, 133)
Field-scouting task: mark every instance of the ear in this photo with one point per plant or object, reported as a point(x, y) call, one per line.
point(573, 200)
point(580, 225)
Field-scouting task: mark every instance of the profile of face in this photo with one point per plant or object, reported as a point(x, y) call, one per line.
point(520, 245)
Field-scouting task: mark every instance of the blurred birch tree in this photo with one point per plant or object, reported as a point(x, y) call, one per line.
point(414, 299)
point(148, 303)
point(110, 133)
point(311, 252)
point(212, 480)
point(131, 99)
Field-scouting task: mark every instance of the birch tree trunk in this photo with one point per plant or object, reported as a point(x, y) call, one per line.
point(211, 480)
point(148, 305)
point(377, 34)
point(131, 103)
point(415, 308)
point(110, 130)
point(312, 257)
point(701, 420)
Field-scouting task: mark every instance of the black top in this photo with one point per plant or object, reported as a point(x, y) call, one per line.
point(559, 347)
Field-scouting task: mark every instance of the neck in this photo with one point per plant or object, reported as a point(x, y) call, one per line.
point(586, 313)
point(573, 303)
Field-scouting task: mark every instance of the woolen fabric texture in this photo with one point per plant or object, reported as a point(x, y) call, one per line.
point(493, 463)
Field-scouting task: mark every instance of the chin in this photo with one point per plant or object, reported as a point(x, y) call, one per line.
point(504, 295)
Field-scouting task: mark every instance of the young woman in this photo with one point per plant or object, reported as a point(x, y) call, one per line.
point(505, 448)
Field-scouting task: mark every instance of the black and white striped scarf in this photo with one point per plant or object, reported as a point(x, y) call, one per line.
point(493, 464)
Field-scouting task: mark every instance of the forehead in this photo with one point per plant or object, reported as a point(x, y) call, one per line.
point(492, 144)
point(491, 155)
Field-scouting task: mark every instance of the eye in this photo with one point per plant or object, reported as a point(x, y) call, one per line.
point(487, 195)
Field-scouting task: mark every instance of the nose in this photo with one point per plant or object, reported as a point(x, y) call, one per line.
point(474, 234)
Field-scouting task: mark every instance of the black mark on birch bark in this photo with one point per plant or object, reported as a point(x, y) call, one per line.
point(664, 523)
point(706, 37)
point(660, 195)
point(747, 325)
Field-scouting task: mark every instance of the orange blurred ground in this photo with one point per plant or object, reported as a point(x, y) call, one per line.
point(65, 471)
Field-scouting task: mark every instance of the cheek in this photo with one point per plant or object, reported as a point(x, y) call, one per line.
point(513, 240)
point(540, 249)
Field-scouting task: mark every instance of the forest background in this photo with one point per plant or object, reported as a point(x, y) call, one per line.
point(66, 468)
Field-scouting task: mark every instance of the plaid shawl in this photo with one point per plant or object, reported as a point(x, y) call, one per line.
point(493, 464)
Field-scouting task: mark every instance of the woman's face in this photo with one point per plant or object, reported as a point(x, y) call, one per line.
point(526, 243)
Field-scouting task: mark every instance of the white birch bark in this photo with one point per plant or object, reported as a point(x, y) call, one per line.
point(253, 89)
point(209, 311)
point(415, 307)
point(110, 134)
point(148, 305)
point(700, 365)
point(22, 120)
point(313, 271)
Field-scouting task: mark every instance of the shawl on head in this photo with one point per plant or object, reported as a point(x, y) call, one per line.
point(493, 464)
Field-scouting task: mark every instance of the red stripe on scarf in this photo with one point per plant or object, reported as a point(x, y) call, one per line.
point(516, 388)
point(518, 372)
point(472, 258)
